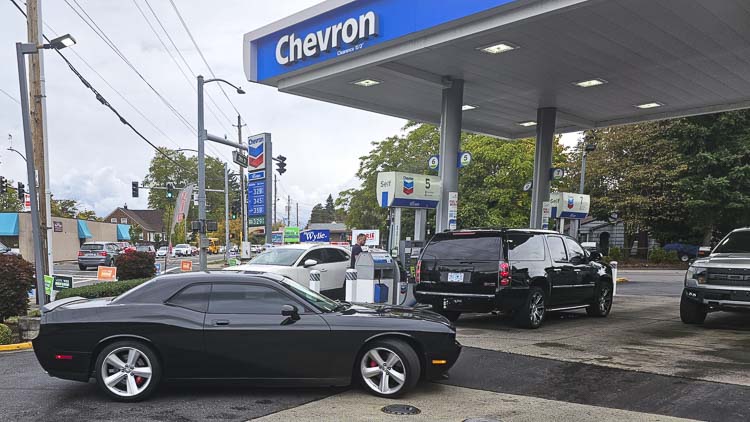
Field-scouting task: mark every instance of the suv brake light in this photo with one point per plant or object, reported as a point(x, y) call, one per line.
point(418, 273)
point(504, 274)
point(80, 253)
point(102, 254)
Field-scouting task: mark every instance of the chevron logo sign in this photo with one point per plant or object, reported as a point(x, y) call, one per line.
point(256, 153)
point(408, 185)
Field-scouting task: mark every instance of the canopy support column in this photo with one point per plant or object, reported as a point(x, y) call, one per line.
point(545, 137)
point(450, 141)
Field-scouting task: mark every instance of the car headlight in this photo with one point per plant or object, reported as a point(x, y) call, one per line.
point(695, 275)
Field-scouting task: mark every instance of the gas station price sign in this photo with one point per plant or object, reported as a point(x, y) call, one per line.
point(256, 198)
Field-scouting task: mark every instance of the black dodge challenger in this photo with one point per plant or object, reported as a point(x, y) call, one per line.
point(264, 329)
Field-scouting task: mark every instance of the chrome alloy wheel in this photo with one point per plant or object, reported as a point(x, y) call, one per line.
point(536, 308)
point(605, 300)
point(126, 371)
point(383, 371)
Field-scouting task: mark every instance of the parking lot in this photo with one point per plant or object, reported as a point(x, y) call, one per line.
point(640, 363)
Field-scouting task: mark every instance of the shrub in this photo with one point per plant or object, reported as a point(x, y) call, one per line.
point(103, 289)
point(6, 335)
point(16, 279)
point(657, 256)
point(132, 265)
point(615, 254)
point(672, 257)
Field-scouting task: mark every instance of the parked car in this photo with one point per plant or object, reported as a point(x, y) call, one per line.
point(684, 252)
point(115, 340)
point(146, 248)
point(94, 254)
point(162, 252)
point(524, 272)
point(125, 246)
point(194, 250)
point(256, 249)
point(182, 249)
point(5, 250)
point(296, 261)
point(719, 282)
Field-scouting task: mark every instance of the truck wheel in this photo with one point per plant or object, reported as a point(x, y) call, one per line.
point(691, 312)
point(602, 300)
point(82, 267)
point(532, 312)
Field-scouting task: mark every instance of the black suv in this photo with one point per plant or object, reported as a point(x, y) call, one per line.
point(526, 272)
point(720, 281)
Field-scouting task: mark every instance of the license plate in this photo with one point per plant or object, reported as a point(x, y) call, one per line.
point(456, 277)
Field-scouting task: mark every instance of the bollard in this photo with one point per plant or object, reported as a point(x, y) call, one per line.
point(315, 281)
point(613, 264)
point(351, 285)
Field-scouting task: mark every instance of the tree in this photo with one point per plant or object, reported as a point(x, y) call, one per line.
point(87, 215)
point(9, 201)
point(64, 208)
point(318, 214)
point(330, 209)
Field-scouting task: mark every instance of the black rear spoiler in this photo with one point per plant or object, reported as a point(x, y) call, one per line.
point(58, 303)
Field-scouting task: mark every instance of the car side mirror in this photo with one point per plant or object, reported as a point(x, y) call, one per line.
point(595, 256)
point(576, 260)
point(291, 312)
point(310, 263)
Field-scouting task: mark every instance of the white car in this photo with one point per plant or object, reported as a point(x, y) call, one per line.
point(162, 252)
point(182, 249)
point(296, 262)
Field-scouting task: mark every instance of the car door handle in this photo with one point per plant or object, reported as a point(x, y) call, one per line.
point(557, 270)
point(221, 322)
point(578, 270)
point(323, 270)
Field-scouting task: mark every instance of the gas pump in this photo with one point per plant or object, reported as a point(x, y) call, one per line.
point(378, 278)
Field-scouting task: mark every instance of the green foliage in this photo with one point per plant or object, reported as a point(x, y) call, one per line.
point(134, 265)
point(16, 279)
point(9, 201)
point(660, 256)
point(64, 208)
point(102, 289)
point(616, 254)
point(34, 313)
point(6, 335)
point(135, 232)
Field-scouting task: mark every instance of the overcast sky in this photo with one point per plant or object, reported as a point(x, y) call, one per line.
point(93, 157)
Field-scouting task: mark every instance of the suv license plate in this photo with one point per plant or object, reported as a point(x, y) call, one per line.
point(456, 277)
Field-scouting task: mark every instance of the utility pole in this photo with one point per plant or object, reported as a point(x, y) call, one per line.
point(297, 214)
point(275, 199)
point(243, 185)
point(226, 212)
point(289, 210)
point(38, 111)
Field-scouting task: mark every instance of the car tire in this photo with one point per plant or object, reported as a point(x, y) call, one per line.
point(691, 312)
point(451, 315)
point(531, 314)
point(396, 357)
point(684, 258)
point(82, 267)
point(126, 373)
point(602, 304)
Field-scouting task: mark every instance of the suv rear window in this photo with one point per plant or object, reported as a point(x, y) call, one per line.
point(92, 247)
point(464, 246)
point(525, 247)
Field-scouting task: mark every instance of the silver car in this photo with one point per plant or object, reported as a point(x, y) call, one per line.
point(94, 254)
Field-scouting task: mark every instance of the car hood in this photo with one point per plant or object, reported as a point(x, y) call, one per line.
point(724, 261)
point(395, 311)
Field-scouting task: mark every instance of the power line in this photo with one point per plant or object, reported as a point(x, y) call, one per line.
point(10, 96)
point(184, 25)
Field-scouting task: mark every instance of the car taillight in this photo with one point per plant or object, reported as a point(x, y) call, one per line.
point(504, 274)
point(418, 275)
point(80, 253)
point(102, 254)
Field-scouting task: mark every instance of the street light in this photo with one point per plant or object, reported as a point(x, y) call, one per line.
point(22, 49)
point(203, 136)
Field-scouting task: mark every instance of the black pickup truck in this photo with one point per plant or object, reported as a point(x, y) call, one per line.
point(720, 281)
point(520, 271)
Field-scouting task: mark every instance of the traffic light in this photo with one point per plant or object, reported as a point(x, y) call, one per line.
point(3, 185)
point(235, 209)
point(170, 190)
point(135, 189)
point(281, 164)
point(21, 191)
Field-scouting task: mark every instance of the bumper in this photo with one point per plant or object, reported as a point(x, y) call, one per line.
point(93, 261)
point(719, 298)
point(435, 368)
point(75, 367)
point(505, 300)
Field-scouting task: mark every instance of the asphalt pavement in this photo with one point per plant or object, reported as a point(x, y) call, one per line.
point(651, 282)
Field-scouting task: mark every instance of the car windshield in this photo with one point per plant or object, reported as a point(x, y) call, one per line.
point(181, 246)
point(92, 247)
point(283, 257)
point(142, 248)
point(737, 242)
point(316, 299)
point(163, 248)
point(3, 248)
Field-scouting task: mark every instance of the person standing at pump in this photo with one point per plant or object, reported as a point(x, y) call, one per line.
point(357, 248)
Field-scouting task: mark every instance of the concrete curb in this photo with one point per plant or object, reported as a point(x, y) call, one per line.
point(16, 346)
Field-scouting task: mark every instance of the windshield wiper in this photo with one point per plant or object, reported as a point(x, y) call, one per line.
point(341, 306)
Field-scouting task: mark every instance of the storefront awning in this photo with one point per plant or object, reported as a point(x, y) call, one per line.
point(9, 224)
point(123, 232)
point(83, 230)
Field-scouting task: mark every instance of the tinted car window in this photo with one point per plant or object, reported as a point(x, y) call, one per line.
point(194, 297)
point(335, 255)
point(468, 247)
point(246, 299)
point(92, 247)
point(557, 249)
point(525, 247)
point(316, 254)
point(574, 250)
point(737, 242)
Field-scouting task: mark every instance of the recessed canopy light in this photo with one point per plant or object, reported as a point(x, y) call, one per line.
point(527, 124)
point(467, 107)
point(501, 47)
point(589, 83)
point(366, 82)
point(649, 105)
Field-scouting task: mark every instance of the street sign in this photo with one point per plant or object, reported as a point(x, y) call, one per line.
point(291, 235)
point(464, 159)
point(433, 162)
point(26, 202)
point(106, 273)
point(527, 187)
point(186, 266)
point(58, 226)
point(239, 158)
point(257, 175)
point(61, 282)
point(256, 199)
point(556, 173)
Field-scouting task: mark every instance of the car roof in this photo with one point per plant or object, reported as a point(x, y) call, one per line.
point(501, 230)
point(307, 246)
